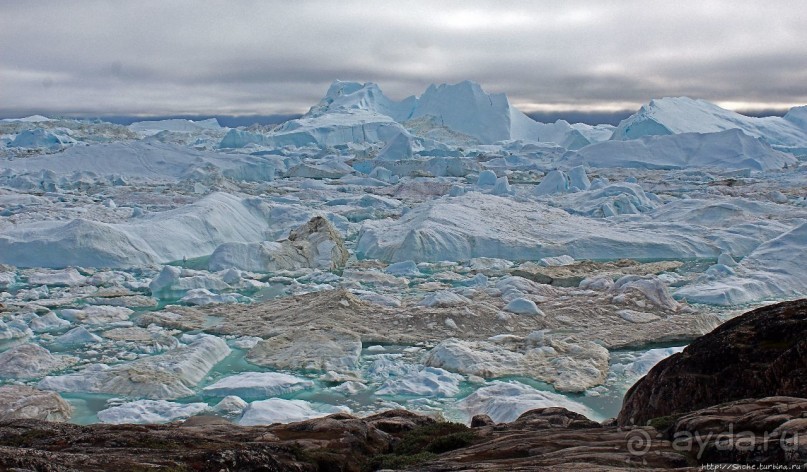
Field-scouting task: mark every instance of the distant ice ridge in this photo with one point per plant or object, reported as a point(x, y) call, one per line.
point(773, 271)
point(730, 149)
point(331, 129)
point(684, 115)
point(798, 116)
point(28, 119)
point(463, 114)
point(148, 160)
point(148, 128)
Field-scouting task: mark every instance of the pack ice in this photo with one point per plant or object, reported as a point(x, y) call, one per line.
point(440, 253)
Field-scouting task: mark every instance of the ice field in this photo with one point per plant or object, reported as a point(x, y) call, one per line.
point(444, 253)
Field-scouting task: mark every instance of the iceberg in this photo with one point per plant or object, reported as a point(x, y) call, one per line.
point(360, 113)
point(165, 376)
point(41, 138)
point(506, 401)
point(150, 412)
point(684, 115)
point(481, 225)
point(278, 410)
point(31, 361)
point(730, 149)
point(257, 385)
point(770, 272)
point(196, 230)
point(23, 402)
point(428, 381)
point(316, 244)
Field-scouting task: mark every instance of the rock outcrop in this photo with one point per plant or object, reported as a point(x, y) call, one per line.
point(762, 353)
point(763, 431)
point(554, 439)
point(337, 442)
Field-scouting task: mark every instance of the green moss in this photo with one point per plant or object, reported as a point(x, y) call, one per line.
point(151, 442)
point(663, 423)
point(323, 459)
point(436, 438)
point(27, 438)
point(424, 444)
point(776, 344)
point(395, 462)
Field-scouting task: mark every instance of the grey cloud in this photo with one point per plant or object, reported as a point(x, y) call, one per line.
point(275, 57)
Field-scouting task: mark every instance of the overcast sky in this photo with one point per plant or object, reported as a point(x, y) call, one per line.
point(264, 57)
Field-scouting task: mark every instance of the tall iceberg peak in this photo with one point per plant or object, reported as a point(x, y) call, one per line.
point(466, 108)
point(463, 107)
point(346, 97)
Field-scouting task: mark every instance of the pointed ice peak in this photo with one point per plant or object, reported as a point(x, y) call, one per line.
point(339, 88)
point(466, 108)
point(346, 97)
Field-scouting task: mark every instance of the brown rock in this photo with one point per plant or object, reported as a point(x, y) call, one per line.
point(551, 439)
point(754, 431)
point(558, 439)
point(481, 420)
point(759, 354)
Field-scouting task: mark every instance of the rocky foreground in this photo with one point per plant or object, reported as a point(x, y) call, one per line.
point(677, 417)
